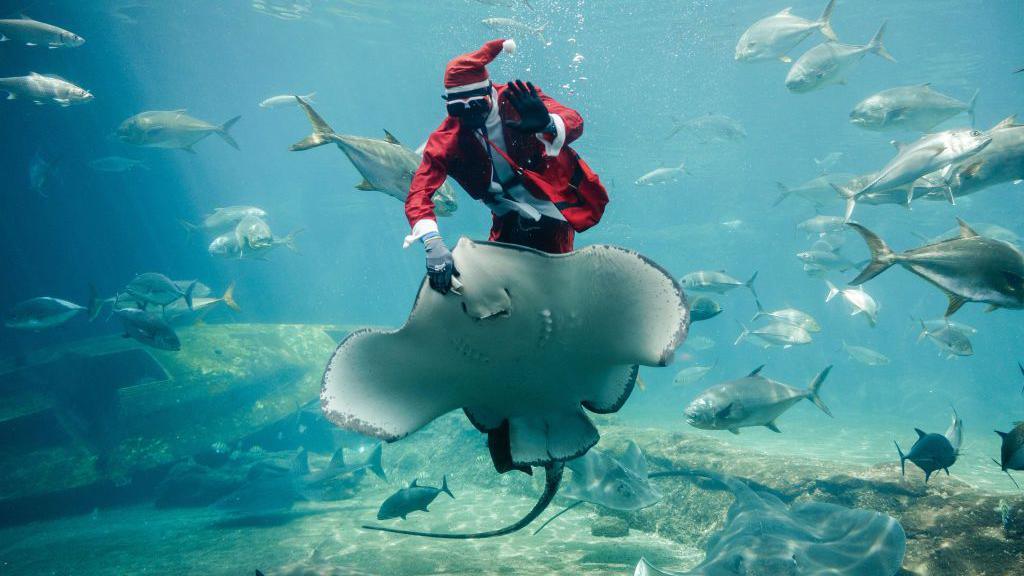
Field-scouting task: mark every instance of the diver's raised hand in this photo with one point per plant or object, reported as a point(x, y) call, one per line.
point(533, 114)
point(440, 265)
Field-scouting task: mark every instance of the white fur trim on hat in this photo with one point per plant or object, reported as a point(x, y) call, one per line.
point(467, 87)
point(509, 46)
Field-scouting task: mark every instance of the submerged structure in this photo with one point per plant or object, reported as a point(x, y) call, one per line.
point(101, 411)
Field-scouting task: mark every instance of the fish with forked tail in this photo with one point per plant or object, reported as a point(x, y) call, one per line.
point(411, 499)
point(172, 129)
point(970, 268)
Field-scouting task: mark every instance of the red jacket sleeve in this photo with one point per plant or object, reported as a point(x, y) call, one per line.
point(572, 119)
point(427, 179)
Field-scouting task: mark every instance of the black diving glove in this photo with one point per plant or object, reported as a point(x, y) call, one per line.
point(533, 114)
point(440, 265)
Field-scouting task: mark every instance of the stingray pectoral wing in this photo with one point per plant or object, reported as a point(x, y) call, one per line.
point(532, 339)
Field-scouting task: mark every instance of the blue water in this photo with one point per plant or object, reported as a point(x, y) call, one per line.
point(378, 65)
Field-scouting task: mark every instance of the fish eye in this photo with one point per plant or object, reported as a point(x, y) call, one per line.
point(975, 133)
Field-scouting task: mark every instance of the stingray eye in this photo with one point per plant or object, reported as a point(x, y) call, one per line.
point(975, 133)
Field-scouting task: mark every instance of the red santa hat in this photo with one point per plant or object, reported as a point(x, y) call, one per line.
point(469, 71)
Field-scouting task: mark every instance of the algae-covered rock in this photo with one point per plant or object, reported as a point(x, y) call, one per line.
point(609, 527)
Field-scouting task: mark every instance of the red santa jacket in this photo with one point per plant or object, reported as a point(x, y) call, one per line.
point(458, 153)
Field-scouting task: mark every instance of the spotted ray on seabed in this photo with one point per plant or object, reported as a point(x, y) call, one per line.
point(523, 344)
point(762, 535)
point(618, 484)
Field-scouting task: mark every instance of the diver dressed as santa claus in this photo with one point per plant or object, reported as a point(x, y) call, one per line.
point(506, 145)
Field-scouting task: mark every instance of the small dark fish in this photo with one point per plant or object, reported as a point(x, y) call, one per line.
point(704, 308)
point(931, 452)
point(1012, 451)
point(411, 499)
point(148, 328)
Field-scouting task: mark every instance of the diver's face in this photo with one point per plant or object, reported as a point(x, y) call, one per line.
point(472, 111)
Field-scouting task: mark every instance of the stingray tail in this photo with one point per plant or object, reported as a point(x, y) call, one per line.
point(881, 256)
point(903, 459)
point(815, 387)
point(553, 477)
point(224, 132)
point(322, 132)
point(559, 513)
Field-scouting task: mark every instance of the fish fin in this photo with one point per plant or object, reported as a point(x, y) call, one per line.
point(224, 132)
point(337, 460)
point(785, 11)
point(992, 308)
point(735, 431)
point(755, 371)
point(365, 185)
point(903, 459)
point(95, 305)
point(876, 46)
point(444, 487)
point(785, 59)
point(771, 426)
point(750, 284)
point(742, 335)
point(881, 256)
point(1008, 122)
point(4, 38)
point(188, 149)
point(390, 138)
point(955, 302)
point(783, 193)
point(825, 22)
point(373, 461)
point(289, 240)
point(832, 290)
point(928, 476)
point(309, 97)
point(413, 483)
point(322, 132)
point(229, 298)
point(815, 387)
point(31, 44)
point(970, 106)
point(920, 433)
point(188, 294)
point(965, 230)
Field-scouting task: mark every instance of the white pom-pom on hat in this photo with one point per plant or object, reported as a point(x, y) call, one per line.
point(509, 46)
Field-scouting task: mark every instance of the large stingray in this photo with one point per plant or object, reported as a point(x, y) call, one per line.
point(764, 536)
point(527, 342)
point(600, 479)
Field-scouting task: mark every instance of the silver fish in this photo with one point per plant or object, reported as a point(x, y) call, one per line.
point(750, 401)
point(817, 191)
point(42, 89)
point(253, 233)
point(661, 176)
point(149, 328)
point(860, 301)
point(829, 63)
point(513, 27)
point(385, 165)
point(918, 108)
point(226, 246)
point(822, 224)
point(866, 356)
point(970, 268)
point(773, 37)
point(116, 164)
point(155, 288)
point(34, 33)
point(717, 282)
point(692, 374)
point(42, 312)
point(285, 100)
point(171, 129)
point(710, 127)
point(1001, 161)
point(917, 159)
point(792, 316)
point(949, 340)
point(781, 334)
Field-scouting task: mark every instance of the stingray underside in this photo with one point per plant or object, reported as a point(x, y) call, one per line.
point(530, 340)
